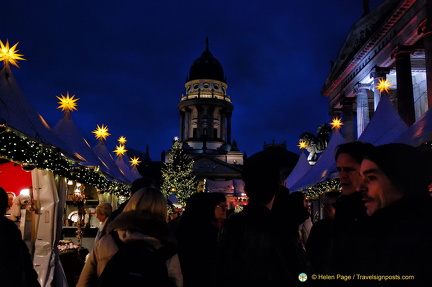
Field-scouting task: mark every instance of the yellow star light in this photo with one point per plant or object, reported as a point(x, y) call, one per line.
point(135, 161)
point(101, 132)
point(122, 140)
point(302, 144)
point(9, 54)
point(120, 150)
point(383, 85)
point(67, 103)
point(336, 123)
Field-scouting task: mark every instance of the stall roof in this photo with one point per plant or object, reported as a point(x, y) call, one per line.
point(419, 132)
point(302, 167)
point(323, 168)
point(385, 126)
point(17, 112)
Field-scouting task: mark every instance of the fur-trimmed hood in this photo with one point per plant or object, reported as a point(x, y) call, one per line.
point(135, 225)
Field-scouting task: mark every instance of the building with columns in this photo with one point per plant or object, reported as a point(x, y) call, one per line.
point(392, 42)
point(205, 124)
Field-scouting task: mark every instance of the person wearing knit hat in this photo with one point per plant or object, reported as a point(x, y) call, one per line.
point(395, 179)
point(393, 172)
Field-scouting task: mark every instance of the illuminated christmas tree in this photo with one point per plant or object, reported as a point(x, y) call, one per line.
point(177, 175)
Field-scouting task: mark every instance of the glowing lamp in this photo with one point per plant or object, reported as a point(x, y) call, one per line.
point(336, 123)
point(122, 140)
point(120, 150)
point(67, 103)
point(134, 161)
point(101, 132)
point(25, 192)
point(9, 54)
point(302, 145)
point(383, 85)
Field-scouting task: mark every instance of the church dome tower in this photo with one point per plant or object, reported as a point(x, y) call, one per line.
point(206, 109)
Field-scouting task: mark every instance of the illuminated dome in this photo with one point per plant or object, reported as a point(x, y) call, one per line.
point(206, 67)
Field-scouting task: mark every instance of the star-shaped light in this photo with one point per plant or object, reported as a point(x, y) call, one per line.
point(101, 132)
point(120, 150)
point(67, 103)
point(122, 140)
point(302, 144)
point(135, 161)
point(336, 123)
point(383, 85)
point(9, 54)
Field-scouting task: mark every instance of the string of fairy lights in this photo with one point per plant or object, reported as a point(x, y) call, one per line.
point(30, 153)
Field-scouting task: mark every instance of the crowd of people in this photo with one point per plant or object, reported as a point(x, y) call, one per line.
point(375, 231)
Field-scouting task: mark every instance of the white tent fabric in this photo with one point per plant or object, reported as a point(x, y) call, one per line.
point(124, 168)
point(419, 132)
point(302, 167)
point(385, 126)
point(105, 157)
point(323, 168)
point(45, 194)
point(135, 172)
point(68, 131)
point(18, 113)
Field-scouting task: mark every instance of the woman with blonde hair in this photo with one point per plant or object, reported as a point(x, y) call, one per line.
point(144, 219)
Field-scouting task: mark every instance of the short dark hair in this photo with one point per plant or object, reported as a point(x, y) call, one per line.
point(355, 149)
point(141, 182)
point(262, 179)
point(408, 168)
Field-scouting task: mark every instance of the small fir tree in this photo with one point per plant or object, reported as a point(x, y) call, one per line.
point(177, 174)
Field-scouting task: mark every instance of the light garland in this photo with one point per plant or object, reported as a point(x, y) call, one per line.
point(32, 154)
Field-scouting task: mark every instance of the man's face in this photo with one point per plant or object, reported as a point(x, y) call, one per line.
point(221, 211)
point(378, 190)
point(349, 173)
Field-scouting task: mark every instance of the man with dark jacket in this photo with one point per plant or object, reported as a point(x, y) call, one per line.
point(252, 251)
point(350, 213)
point(395, 179)
point(16, 267)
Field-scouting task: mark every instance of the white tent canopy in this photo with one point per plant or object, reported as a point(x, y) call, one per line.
point(419, 132)
point(67, 130)
point(17, 112)
point(302, 167)
point(105, 157)
point(385, 126)
point(124, 168)
point(323, 168)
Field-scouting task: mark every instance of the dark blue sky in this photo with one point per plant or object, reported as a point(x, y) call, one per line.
point(128, 60)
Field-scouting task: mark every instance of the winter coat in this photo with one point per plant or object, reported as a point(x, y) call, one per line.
point(400, 243)
point(129, 227)
point(16, 267)
point(252, 252)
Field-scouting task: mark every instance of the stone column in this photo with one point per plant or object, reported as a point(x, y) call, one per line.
point(182, 126)
point(228, 139)
point(405, 94)
point(378, 74)
point(361, 91)
point(426, 29)
point(348, 119)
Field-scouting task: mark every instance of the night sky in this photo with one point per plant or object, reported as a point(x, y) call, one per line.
point(127, 61)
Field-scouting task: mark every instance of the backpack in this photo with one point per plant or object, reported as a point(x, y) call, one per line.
point(137, 264)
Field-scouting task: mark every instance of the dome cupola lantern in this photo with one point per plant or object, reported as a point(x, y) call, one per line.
point(205, 109)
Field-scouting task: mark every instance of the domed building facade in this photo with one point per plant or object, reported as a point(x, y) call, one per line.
point(205, 125)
